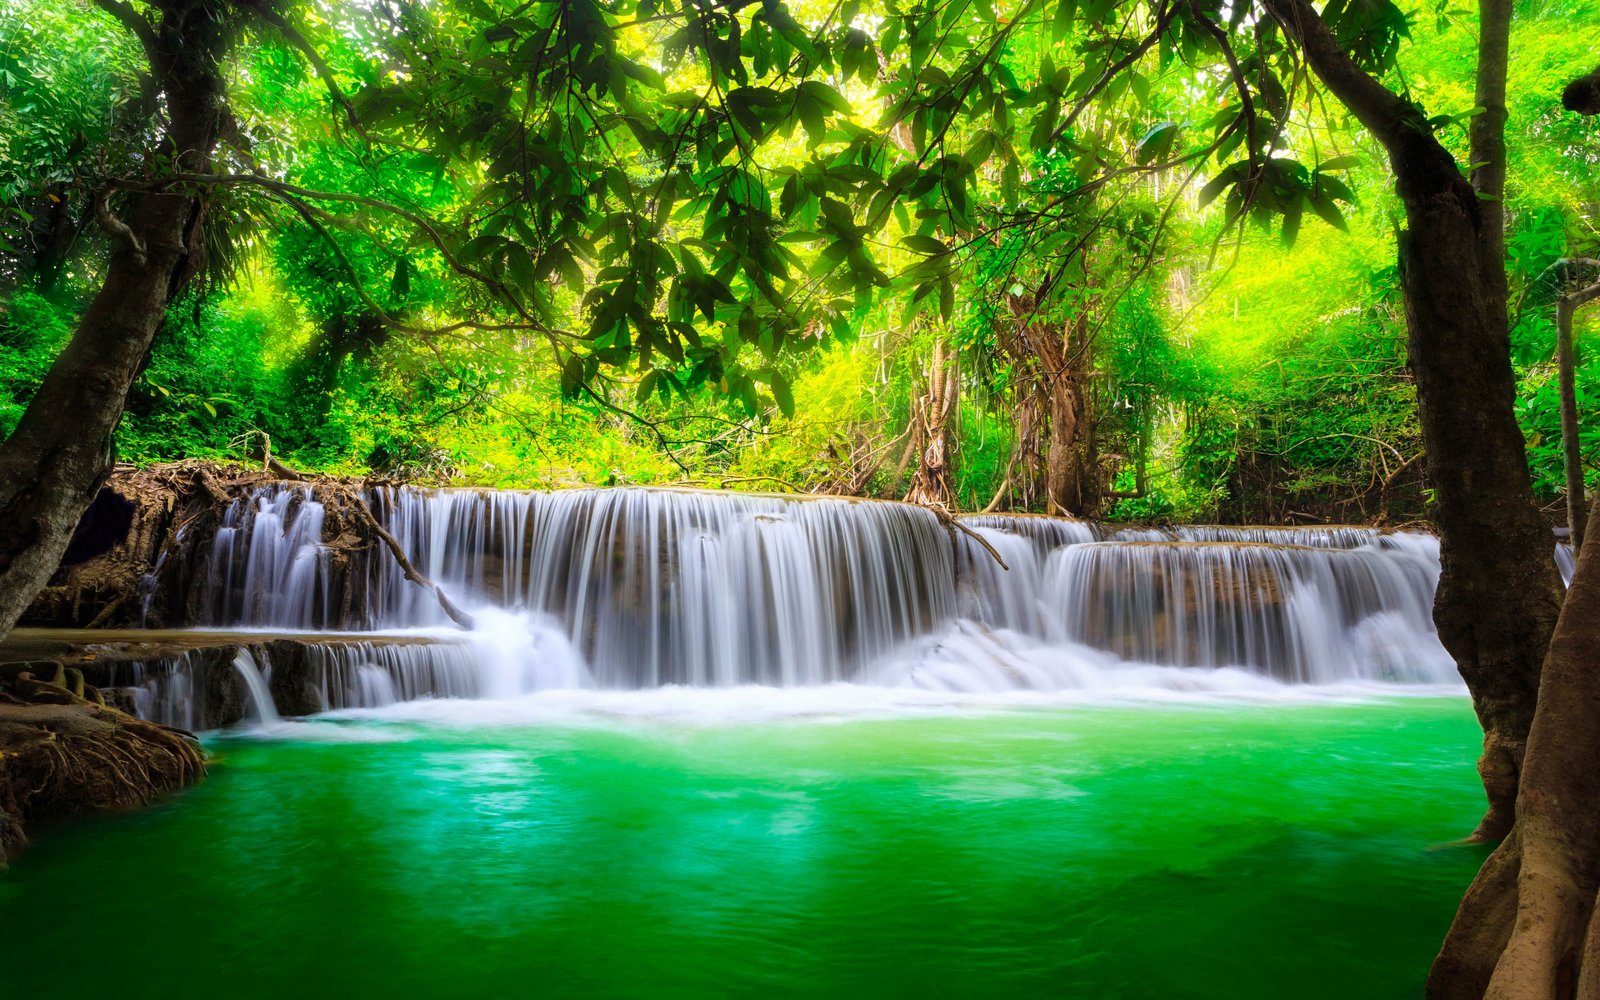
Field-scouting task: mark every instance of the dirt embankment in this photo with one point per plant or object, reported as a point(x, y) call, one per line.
point(149, 534)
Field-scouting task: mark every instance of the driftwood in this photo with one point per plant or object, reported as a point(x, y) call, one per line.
point(952, 524)
point(357, 506)
point(363, 513)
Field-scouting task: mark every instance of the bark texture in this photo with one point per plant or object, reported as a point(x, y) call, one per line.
point(933, 431)
point(1055, 455)
point(1526, 928)
point(61, 452)
point(1487, 138)
point(1571, 448)
point(1499, 594)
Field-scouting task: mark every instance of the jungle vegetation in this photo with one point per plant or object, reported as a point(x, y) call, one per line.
point(1143, 259)
point(1234, 370)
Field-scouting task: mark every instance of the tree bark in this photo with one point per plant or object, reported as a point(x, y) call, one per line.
point(1069, 477)
point(1499, 594)
point(1487, 144)
point(1055, 427)
point(1526, 928)
point(933, 416)
point(61, 452)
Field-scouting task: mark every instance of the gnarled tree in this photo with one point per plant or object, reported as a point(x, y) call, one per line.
point(61, 451)
point(1526, 927)
point(1499, 594)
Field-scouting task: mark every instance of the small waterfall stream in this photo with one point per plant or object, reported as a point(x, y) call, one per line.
point(641, 588)
point(262, 709)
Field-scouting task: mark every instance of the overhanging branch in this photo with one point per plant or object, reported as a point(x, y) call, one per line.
point(134, 22)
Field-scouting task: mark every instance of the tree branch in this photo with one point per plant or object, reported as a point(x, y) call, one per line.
point(1164, 18)
point(1395, 121)
point(118, 229)
point(359, 507)
point(134, 22)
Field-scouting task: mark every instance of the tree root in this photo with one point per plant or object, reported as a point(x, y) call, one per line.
point(63, 754)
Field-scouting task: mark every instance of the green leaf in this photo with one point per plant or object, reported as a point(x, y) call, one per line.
point(1061, 23)
point(925, 245)
point(1213, 188)
point(1329, 212)
point(1157, 143)
point(647, 385)
point(825, 96)
point(782, 393)
point(571, 376)
point(1291, 223)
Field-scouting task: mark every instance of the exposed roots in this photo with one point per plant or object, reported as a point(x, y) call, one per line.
point(63, 754)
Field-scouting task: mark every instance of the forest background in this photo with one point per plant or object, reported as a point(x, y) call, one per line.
point(1183, 365)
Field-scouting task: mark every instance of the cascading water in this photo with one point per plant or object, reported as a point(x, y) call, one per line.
point(631, 588)
point(268, 564)
point(262, 709)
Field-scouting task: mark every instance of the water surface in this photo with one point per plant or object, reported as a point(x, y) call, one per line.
point(636, 846)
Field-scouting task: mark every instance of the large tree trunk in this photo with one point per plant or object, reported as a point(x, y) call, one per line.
point(1063, 482)
point(1526, 927)
point(1055, 426)
point(54, 463)
point(1499, 594)
point(1071, 486)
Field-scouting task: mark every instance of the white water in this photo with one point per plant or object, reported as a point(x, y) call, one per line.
point(612, 590)
point(262, 710)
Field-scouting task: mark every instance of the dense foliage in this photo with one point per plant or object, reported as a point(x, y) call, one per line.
point(570, 243)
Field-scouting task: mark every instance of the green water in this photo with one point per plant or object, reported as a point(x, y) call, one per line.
point(1155, 851)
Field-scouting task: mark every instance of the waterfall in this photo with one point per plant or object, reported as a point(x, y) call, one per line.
point(211, 687)
point(1299, 613)
point(639, 588)
point(261, 705)
point(268, 564)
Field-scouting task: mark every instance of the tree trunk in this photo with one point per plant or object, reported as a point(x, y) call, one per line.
point(933, 417)
point(1571, 448)
point(1487, 139)
point(1070, 483)
point(58, 457)
point(1499, 593)
point(1063, 484)
point(1526, 926)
